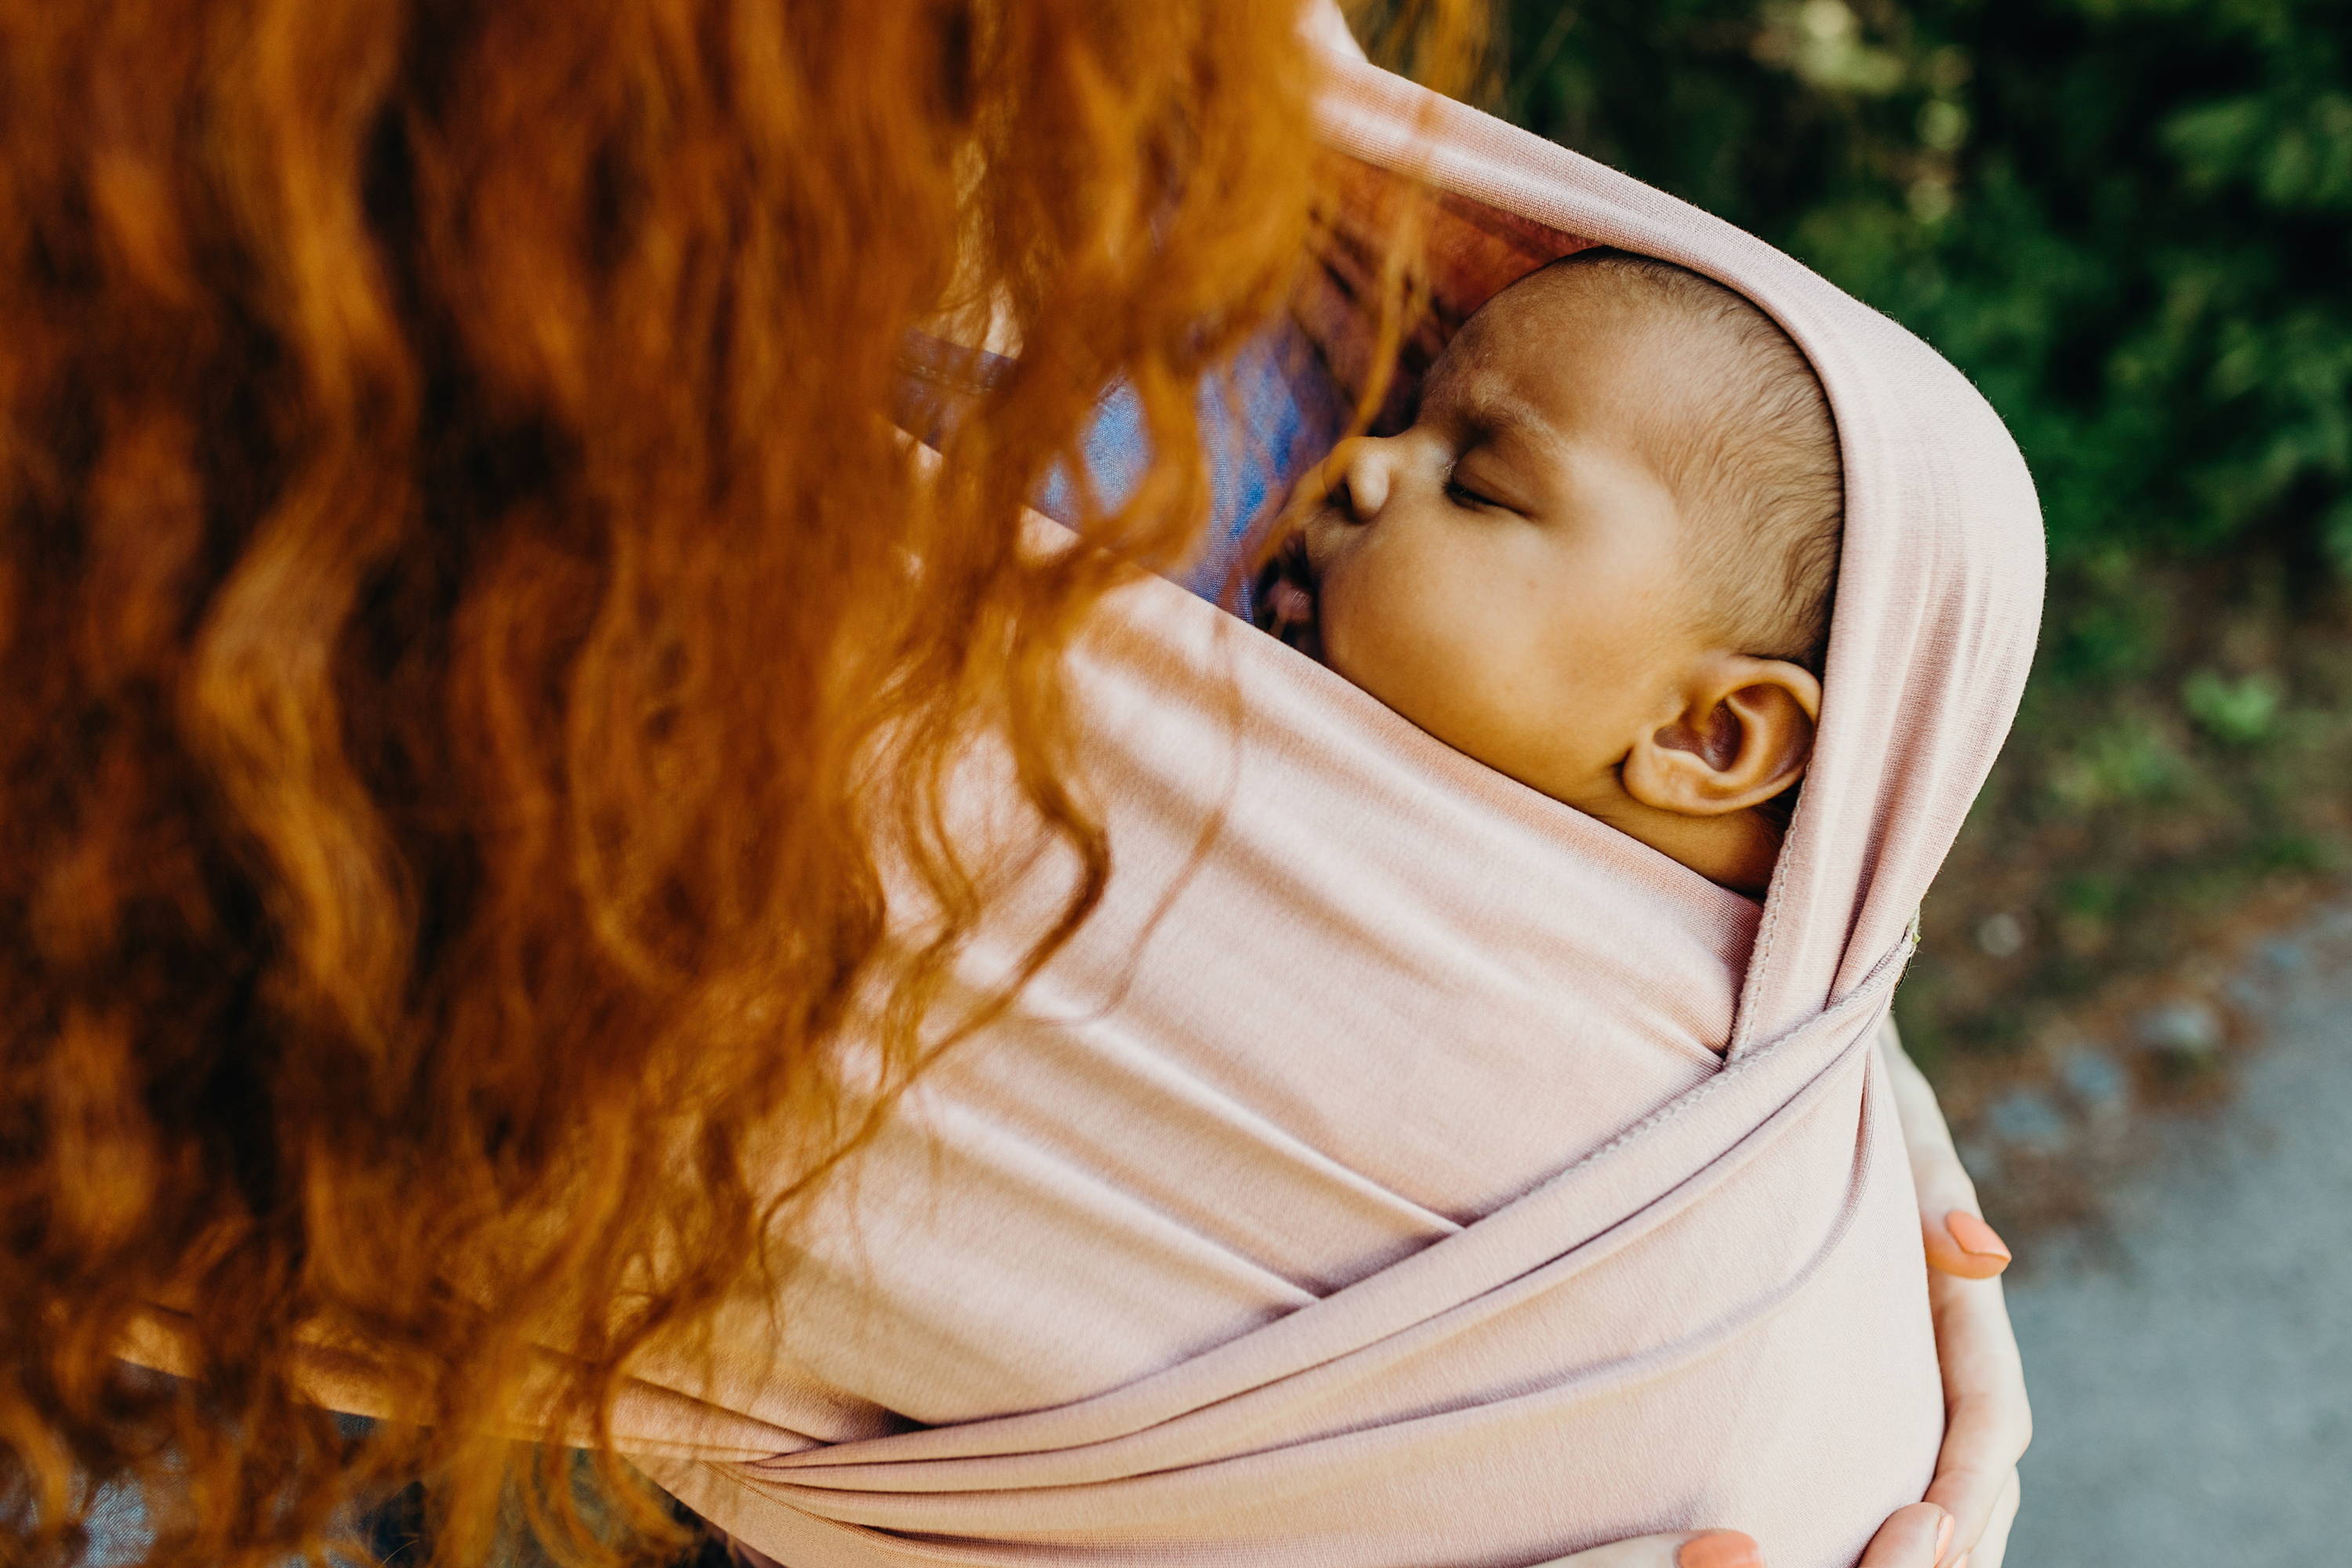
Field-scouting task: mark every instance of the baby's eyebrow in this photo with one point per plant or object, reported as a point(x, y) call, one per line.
point(1500, 414)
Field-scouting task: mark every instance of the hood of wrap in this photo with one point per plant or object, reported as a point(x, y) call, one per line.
point(1940, 575)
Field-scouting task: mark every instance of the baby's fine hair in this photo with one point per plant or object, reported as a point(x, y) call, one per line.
point(1762, 457)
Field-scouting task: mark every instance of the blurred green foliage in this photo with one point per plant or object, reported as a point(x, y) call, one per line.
point(2130, 221)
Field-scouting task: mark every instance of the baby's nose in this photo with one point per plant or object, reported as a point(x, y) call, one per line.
point(1360, 478)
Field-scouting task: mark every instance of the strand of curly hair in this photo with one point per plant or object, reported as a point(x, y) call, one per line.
point(475, 646)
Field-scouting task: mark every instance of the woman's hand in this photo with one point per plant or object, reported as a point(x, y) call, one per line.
point(1681, 1548)
point(1987, 1419)
point(1912, 1537)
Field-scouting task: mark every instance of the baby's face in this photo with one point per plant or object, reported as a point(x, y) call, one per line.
point(1509, 572)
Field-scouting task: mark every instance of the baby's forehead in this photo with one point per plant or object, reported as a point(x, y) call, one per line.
point(1550, 342)
point(1571, 301)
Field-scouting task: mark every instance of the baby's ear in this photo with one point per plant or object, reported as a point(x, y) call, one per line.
point(1744, 734)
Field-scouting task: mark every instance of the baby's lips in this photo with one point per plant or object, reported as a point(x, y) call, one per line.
point(1284, 596)
point(1290, 611)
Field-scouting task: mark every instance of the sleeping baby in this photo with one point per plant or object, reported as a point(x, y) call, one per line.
point(1599, 559)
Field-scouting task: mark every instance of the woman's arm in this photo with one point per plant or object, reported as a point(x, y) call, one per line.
point(1988, 1421)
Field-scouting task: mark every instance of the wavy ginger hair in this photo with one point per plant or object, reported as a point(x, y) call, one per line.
point(473, 635)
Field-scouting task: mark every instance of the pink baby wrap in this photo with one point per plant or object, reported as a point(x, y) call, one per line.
point(1418, 1172)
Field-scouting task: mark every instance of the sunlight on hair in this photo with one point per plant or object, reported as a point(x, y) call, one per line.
point(469, 698)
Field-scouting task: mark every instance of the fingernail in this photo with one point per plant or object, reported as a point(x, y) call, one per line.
point(1975, 1238)
point(1719, 1548)
point(1943, 1537)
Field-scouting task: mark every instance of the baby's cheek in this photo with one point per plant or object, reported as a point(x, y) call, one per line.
point(1418, 652)
point(1370, 620)
point(1338, 622)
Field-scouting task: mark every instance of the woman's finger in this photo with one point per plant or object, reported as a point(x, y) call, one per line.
point(1950, 1222)
point(1988, 1420)
point(1912, 1537)
point(1994, 1546)
point(1681, 1549)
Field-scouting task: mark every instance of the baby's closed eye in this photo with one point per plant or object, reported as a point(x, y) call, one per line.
point(1461, 494)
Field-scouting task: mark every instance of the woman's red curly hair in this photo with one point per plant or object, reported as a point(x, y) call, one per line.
point(473, 635)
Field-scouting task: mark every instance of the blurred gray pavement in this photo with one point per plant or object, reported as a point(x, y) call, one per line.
point(2191, 1366)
